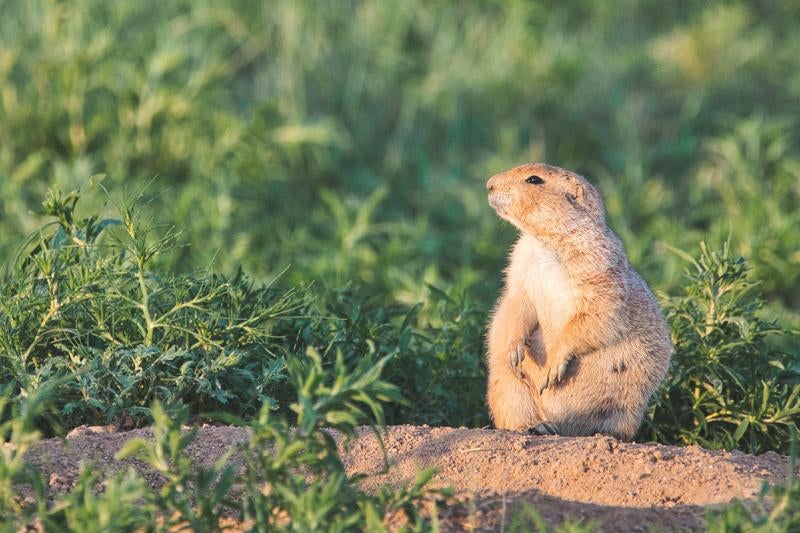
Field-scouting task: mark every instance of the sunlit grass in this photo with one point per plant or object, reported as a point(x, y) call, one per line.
point(299, 175)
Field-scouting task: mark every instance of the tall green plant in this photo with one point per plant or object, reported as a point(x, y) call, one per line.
point(84, 301)
point(728, 387)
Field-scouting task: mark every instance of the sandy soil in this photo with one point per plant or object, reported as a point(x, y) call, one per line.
point(620, 486)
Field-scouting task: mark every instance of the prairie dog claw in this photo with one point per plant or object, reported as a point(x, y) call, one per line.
point(562, 370)
point(544, 428)
point(516, 356)
point(555, 376)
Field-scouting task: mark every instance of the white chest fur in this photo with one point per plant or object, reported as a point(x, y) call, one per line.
point(537, 270)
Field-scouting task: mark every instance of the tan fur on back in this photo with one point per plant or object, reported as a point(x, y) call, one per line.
point(594, 341)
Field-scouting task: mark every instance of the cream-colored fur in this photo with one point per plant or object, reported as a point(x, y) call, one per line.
point(577, 343)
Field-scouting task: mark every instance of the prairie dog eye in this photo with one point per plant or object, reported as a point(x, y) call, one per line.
point(534, 180)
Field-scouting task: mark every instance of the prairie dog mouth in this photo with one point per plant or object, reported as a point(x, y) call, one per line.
point(499, 200)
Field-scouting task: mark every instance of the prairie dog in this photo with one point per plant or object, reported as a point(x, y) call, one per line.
point(577, 343)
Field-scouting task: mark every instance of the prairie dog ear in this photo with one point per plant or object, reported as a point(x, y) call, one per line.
point(586, 197)
point(577, 195)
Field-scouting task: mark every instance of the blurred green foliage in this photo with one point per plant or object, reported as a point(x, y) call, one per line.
point(350, 141)
point(336, 152)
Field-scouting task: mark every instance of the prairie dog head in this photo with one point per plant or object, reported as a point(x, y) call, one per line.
point(543, 200)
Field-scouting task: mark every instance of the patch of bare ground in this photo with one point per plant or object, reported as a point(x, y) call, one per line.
point(620, 486)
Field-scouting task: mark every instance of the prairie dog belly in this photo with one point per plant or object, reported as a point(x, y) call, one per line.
point(605, 385)
point(536, 270)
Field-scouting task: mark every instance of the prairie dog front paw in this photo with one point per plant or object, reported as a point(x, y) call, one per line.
point(556, 372)
point(516, 355)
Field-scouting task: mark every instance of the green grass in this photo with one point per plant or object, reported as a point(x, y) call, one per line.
point(293, 477)
point(88, 322)
point(352, 140)
point(84, 306)
point(256, 181)
point(87, 310)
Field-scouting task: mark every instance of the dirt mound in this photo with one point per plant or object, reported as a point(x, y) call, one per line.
point(621, 486)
